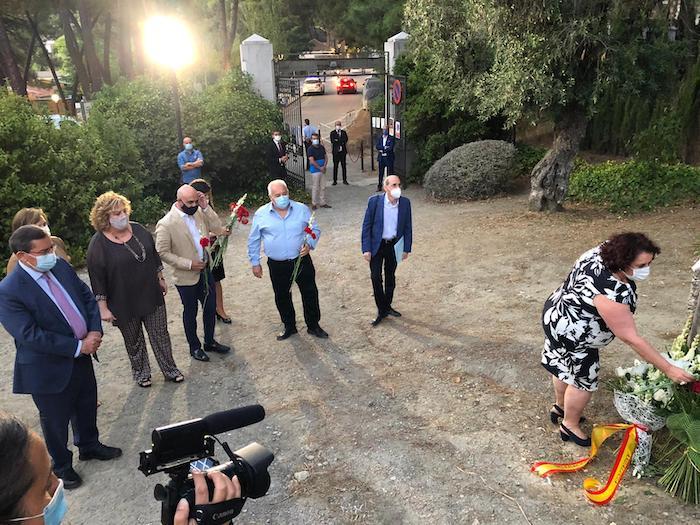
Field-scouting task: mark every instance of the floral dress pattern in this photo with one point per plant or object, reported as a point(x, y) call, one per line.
point(574, 330)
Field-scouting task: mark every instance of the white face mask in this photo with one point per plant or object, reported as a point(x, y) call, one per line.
point(120, 223)
point(276, 138)
point(315, 142)
point(337, 128)
point(640, 274)
point(396, 193)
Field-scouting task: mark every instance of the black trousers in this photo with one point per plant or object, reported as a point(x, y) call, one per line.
point(281, 277)
point(384, 291)
point(191, 296)
point(339, 158)
point(77, 404)
point(385, 165)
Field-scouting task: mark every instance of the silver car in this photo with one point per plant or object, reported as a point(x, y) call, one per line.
point(313, 85)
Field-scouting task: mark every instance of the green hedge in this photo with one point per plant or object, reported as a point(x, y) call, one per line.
point(63, 170)
point(635, 185)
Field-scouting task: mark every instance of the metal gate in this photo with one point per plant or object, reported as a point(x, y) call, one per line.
point(289, 98)
point(391, 114)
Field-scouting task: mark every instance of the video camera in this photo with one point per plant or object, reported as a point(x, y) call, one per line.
point(181, 446)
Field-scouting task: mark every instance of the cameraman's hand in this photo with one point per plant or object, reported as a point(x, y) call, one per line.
point(224, 489)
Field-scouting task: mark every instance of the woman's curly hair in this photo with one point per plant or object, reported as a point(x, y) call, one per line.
point(622, 249)
point(104, 205)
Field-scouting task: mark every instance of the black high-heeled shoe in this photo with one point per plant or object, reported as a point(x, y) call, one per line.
point(557, 413)
point(567, 435)
point(225, 320)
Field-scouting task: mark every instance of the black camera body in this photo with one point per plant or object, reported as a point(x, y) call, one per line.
point(175, 447)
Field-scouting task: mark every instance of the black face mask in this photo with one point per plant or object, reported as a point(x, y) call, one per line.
point(190, 210)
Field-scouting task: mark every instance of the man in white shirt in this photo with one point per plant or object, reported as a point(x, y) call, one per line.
point(182, 241)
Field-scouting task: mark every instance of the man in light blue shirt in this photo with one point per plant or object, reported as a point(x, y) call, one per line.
point(190, 161)
point(283, 228)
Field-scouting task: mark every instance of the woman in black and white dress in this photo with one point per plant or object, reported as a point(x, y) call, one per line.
point(593, 306)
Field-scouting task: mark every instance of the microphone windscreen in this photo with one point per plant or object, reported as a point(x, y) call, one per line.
point(226, 420)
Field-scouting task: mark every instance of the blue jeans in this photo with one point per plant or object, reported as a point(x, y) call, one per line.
point(191, 296)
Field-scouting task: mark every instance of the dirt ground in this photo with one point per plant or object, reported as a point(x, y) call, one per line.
point(431, 418)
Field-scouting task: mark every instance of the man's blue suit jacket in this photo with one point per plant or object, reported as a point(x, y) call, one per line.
point(388, 149)
point(373, 225)
point(44, 340)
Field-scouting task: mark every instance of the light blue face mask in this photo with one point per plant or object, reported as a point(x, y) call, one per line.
point(189, 146)
point(45, 263)
point(54, 512)
point(282, 202)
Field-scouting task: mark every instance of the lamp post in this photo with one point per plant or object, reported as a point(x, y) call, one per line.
point(169, 44)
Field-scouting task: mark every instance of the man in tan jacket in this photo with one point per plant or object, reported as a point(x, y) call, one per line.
point(179, 243)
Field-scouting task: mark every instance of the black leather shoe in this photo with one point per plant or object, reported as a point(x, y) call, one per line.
point(335, 183)
point(101, 452)
point(71, 479)
point(199, 355)
point(318, 332)
point(346, 183)
point(393, 312)
point(217, 348)
point(288, 332)
point(567, 435)
point(379, 319)
point(225, 320)
point(379, 187)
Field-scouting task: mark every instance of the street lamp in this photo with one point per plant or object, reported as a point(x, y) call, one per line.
point(169, 44)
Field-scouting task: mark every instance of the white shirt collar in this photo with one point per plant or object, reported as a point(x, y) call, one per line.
point(36, 275)
point(388, 202)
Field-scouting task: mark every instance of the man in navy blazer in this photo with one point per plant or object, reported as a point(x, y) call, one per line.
point(55, 322)
point(387, 223)
point(385, 155)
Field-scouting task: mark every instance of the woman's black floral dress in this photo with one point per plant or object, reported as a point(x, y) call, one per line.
point(574, 331)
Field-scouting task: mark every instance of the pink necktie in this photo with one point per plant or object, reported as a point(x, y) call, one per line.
point(75, 320)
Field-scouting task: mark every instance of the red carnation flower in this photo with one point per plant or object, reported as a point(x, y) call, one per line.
point(695, 387)
point(244, 221)
point(204, 242)
point(308, 230)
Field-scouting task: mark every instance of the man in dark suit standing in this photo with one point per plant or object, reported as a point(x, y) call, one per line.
point(386, 230)
point(55, 322)
point(385, 155)
point(276, 156)
point(339, 142)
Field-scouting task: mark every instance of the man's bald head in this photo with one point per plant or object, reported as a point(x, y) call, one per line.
point(186, 193)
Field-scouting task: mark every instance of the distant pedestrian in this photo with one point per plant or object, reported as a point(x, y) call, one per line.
point(276, 156)
point(317, 166)
point(190, 161)
point(307, 131)
point(339, 143)
point(385, 156)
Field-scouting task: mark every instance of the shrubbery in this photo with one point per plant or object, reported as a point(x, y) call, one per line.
point(474, 171)
point(63, 170)
point(634, 185)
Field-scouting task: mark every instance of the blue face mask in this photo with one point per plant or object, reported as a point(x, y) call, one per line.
point(282, 202)
point(45, 263)
point(189, 146)
point(54, 512)
point(385, 133)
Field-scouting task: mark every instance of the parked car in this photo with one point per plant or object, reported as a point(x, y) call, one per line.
point(313, 85)
point(346, 85)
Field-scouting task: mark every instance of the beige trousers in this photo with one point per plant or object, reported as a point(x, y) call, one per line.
point(318, 188)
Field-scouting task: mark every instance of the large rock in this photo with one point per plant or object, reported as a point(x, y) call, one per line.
point(474, 171)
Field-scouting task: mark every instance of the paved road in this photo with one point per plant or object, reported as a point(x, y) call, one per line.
point(324, 109)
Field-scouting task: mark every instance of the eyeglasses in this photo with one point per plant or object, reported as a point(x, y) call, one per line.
point(44, 252)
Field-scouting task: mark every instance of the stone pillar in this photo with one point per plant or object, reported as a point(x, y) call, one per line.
point(256, 60)
point(396, 46)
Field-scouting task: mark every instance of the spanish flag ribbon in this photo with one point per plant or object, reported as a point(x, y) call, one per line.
point(594, 492)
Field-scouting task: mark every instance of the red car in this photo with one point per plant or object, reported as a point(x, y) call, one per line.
point(346, 85)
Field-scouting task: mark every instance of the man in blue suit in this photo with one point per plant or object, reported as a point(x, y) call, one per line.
point(387, 226)
point(55, 322)
point(385, 155)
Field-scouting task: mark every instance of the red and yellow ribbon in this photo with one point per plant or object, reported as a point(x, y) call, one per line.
point(594, 492)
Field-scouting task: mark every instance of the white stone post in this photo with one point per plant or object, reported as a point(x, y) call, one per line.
point(256, 60)
point(396, 46)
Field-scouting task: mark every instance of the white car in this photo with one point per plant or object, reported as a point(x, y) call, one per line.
point(313, 85)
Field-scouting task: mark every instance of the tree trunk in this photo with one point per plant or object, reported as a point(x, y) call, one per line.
point(76, 55)
point(106, 70)
point(549, 180)
point(233, 30)
point(93, 62)
point(223, 22)
point(9, 64)
point(37, 36)
point(126, 66)
point(30, 56)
